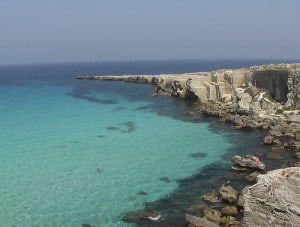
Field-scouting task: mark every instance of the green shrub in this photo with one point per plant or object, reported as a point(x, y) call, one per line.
point(279, 111)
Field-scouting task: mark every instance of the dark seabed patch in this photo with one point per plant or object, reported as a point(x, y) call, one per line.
point(82, 94)
point(119, 108)
point(198, 155)
point(165, 179)
point(112, 128)
point(142, 193)
point(97, 100)
point(142, 108)
point(102, 136)
point(130, 126)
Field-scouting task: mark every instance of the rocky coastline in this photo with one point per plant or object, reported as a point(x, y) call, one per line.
point(263, 97)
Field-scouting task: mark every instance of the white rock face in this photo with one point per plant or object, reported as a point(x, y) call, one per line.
point(245, 100)
point(274, 200)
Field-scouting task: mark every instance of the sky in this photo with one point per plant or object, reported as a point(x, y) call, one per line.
point(51, 31)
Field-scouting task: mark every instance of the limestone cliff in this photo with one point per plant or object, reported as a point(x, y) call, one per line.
point(282, 81)
point(274, 199)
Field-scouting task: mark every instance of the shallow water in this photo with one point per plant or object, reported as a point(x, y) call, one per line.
point(74, 152)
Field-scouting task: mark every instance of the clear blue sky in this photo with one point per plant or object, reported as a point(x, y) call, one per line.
point(34, 31)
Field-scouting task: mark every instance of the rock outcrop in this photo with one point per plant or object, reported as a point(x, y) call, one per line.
point(282, 81)
point(248, 162)
point(274, 199)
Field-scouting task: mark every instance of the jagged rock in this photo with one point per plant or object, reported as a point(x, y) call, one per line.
point(255, 106)
point(210, 197)
point(230, 221)
point(297, 136)
point(229, 211)
point(277, 141)
point(252, 91)
point(241, 199)
point(228, 193)
point(268, 140)
point(297, 155)
point(199, 222)
point(274, 199)
point(212, 215)
point(275, 133)
point(293, 118)
point(248, 161)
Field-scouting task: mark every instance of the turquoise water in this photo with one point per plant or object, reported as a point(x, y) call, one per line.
point(56, 132)
point(52, 145)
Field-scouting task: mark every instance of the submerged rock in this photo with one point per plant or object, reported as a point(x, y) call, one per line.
point(274, 199)
point(136, 217)
point(152, 216)
point(165, 179)
point(85, 225)
point(142, 193)
point(112, 128)
point(198, 155)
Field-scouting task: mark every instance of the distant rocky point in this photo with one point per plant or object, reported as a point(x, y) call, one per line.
point(280, 80)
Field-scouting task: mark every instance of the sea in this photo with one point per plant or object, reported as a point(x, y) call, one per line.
point(75, 152)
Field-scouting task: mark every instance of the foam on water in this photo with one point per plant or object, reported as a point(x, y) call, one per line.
point(52, 145)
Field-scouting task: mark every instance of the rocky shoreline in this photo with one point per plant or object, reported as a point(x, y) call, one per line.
point(260, 97)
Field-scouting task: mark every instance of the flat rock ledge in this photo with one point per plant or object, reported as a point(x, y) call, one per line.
point(274, 200)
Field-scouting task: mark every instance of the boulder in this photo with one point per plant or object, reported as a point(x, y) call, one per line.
point(212, 215)
point(229, 211)
point(248, 161)
point(277, 141)
point(268, 140)
point(255, 106)
point(199, 222)
point(274, 199)
point(297, 155)
point(230, 221)
point(210, 197)
point(275, 133)
point(228, 193)
point(252, 176)
point(252, 91)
